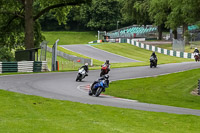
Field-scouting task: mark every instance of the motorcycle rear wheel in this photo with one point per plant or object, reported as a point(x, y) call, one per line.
point(101, 74)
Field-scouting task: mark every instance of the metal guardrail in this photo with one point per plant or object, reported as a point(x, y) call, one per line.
point(71, 57)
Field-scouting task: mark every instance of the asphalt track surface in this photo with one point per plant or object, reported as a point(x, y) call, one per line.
point(62, 86)
point(98, 54)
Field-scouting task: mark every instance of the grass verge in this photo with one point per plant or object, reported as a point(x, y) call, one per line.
point(64, 64)
point(67, 37)
point(137, 53)
point(129, 51)
point(172, 89)
point(22, 114)
point(188, 48)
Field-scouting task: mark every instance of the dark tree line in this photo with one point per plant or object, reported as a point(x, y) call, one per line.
point(21, 20)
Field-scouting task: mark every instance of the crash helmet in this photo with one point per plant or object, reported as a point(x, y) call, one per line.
point(107, 61)
point(106, 76)
point(86, 64)
point(195, 48)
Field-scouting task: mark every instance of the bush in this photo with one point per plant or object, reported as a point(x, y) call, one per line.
point(6, 54)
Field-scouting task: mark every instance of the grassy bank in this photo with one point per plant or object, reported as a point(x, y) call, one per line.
point(129, 51)
point(64, 64)
point(24, 114)
point(68, 37)
point(173, 89)
point(137, 53)
point(188, 48)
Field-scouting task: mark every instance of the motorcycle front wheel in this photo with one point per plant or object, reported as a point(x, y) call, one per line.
point(78, 78)
point(98, 92)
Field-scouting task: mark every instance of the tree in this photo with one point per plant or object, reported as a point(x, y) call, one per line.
point(136, 11)
point(26, 13)
point(103, 14)
point(183, 13)
point(158, 11)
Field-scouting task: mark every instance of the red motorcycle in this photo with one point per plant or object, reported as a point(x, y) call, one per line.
point(196, 57)
point(104, 70)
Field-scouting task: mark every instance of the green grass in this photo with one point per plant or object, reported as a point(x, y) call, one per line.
point(96, 63)
point(67, 37)
point(172, 89)
point(129, 51)
point(64, 64)
point(21, 113)
point(188, 48)
point(137, 53)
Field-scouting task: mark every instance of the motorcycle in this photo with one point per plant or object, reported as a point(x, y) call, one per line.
point(98, 87)
point(196, 57)
point(81, 74)
point(153, 62)
point(104, 70)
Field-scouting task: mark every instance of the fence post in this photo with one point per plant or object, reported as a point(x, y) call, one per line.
point(54, 56)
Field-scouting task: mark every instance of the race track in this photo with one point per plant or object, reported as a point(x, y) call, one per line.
point(62, 86)
point(98, 54)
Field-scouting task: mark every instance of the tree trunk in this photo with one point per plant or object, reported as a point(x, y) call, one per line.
point(159, 32)
point(186, 33)
point(29, 24)
point(175, 34)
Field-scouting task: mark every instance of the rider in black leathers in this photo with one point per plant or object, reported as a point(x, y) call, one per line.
point(154, 56)
point(196, 50)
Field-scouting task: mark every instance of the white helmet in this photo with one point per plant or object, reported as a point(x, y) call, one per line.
point(195, 48)
point(86, 64)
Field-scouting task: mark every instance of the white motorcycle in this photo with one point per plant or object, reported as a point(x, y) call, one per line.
point(81, 74)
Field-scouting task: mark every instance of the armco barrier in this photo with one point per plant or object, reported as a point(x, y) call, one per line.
point(23, 66)
point(9, 67)
point(37, 66)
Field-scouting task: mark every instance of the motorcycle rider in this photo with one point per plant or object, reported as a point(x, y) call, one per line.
point(196, 51)
point(85, 67)
point(106, 78)
point(107, 64)
point(154, 56)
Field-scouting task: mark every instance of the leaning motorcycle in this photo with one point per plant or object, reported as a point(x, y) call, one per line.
point(81, 74)
point(104, 70)
point(98, 87)
point(153, 62)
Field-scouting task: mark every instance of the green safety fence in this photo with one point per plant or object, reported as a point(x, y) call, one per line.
point(9, 67)
point(36, 66)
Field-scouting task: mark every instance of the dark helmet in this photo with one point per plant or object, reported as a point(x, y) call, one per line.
point(106, 76)
point(107, 61)
point(153, 53)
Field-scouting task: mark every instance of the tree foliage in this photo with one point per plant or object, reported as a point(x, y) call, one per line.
point(18, 16)
point(102, 14)
point(136, 11)
point(6, 54)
